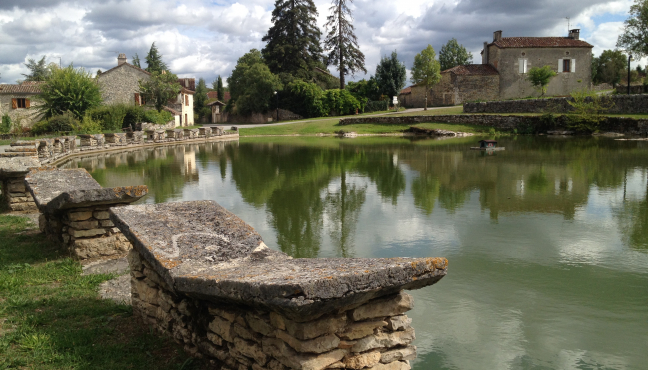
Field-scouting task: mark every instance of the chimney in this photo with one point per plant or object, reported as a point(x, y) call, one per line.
point(497, 35)
point(485, 53)
point(574, 34)
point(121, 59)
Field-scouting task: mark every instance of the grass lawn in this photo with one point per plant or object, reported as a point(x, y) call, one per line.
point(52, 318)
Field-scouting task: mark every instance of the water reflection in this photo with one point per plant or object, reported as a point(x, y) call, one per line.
point(547, 241)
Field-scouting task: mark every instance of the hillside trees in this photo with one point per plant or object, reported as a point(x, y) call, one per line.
point(426, 70)
point(453, 54)
point(341, 41)
point(293, 41)
point(390, 75)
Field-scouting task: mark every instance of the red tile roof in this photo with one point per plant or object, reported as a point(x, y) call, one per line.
point(212, 94)
point(405, 91)
point(540, 42)
point(29, 87)
point(473, 70)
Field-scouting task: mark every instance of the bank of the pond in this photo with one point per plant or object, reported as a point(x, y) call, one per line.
point(52, 318)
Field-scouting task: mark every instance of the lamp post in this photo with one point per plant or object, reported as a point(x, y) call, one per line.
point(629, 59)
point(277, 104)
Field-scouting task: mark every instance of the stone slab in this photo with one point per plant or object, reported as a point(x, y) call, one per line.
point(203, 250)
point(55, 189)
point(17, 167)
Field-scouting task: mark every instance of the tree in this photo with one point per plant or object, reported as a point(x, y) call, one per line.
point(69, 89)
point(634, 37)
point(367, 89)
point(293, 41)
point(540, 77)
point(609, 67)
point(426, 70)
point(252, 85)
point(39, 71)
point(390, 75)
point(342, 42)
point(452, 54)
point(200, 98)
point(160, 88)
point(219, 89)
point(154, 61)
point(136, 61)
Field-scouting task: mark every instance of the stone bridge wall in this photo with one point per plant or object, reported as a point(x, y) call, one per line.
point(621, 104)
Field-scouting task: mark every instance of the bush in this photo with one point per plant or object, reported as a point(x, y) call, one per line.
point(340, 102)
point(109, 117)
point(41, 127)
point(375, 106)
point(69, 89)
point(5, 127)
point(134, 114)
point(587, 113)
point(87, 126)
point(63, 122)
point(159, 118)
point(304, 98)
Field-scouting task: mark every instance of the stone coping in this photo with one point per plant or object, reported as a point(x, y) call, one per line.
point(54, 189)
point(201, 249)
point(17, 166)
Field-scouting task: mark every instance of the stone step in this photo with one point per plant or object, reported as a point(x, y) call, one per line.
point(21, 149)
point(19, 154)
point(23, 143)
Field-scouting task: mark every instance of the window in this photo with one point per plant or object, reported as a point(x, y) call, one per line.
point(522, 65)
point(187, 100)
point(566, 65)
point(19, 103)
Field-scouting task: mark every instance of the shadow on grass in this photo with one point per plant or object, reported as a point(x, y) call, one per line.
point(51, 317)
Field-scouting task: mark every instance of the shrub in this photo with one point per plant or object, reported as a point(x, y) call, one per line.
point(587, 113)
point(159, 118)
point(304, 98)
point(69, 89)
point(5, 127)
point(134, 114)
point(109, 117)
point(374, 106)
point(41, 127)
point(87, 126)
point(63, 122)
point(340, 102)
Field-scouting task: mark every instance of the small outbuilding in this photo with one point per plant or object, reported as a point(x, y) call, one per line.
point(487, 144)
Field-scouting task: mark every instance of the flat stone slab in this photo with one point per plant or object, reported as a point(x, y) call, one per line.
point(117, 266)
point(18, 166)
point(205, 251)
point(55, 189)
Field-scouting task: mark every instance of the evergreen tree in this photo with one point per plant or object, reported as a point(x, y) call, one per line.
point(200, 98)
point(293, 41)
point(342, 41)
point(136, 61)
point(452, 54)
point(154, 61)
point(219, 90)
point(39, 71)
point(391, 75)
point(426, 70)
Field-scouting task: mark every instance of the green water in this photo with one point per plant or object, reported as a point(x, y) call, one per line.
point(547, 240)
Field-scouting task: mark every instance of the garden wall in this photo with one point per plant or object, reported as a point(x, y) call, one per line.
point(622, 104)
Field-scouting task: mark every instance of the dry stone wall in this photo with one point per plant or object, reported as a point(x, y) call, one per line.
point(621, 104)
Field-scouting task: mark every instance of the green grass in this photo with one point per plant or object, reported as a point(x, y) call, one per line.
point(52, 318)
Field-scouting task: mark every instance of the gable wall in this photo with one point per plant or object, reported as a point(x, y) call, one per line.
point(120, 85)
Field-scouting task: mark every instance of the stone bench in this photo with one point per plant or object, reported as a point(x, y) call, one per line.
point(174, 134)
point(116, 139)
point(92, 140)
point(203, 276)
point(16, 197)
point(135, 137)
point(74, 210)
point(205, 132)
point(191, 133)
point(154, 136)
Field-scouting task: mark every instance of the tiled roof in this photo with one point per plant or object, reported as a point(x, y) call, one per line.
point(173, 111)
point(212, 94)
point(540, 42)
point(187, 91)
point(473, 70)
point(188, 83)
point(31, 87)
point(216, 102)
point(405, 91)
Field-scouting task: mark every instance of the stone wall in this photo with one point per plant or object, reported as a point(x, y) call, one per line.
point(373, 335)
point(119, 85)
point(26, 117)
point(621, 104)
point(16, 197)
point(259, 118)
point(509, 123)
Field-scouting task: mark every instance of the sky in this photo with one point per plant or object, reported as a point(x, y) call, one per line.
point(203, 38)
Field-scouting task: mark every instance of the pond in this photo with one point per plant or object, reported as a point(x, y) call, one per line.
point(547, 240)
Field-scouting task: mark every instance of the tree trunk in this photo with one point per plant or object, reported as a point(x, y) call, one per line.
point(426, 92)
point(340, 45)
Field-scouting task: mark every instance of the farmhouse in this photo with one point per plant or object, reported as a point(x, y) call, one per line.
point(19, 103)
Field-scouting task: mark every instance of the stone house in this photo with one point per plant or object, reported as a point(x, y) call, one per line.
point(120, 85)
point(19, 103)
point(217, 114)
point(503, 73)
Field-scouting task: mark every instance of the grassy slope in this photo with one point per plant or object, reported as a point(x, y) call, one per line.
point(51, 317)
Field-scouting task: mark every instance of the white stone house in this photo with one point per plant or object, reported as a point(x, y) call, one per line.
point(19, 102)
point(120, 85)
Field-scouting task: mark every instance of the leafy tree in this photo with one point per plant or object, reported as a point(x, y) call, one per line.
point(39, 71)
point(452, 54)
point(293, 41)
point(200, 97)
point(426, 70)
point(159, 88)
point(540, 77)
point(304, 98)
point(252, 85)
point(365, 89)
point(136, 61)
point(609, 67)
point(69, 89)
point(390, 75)
point(342, 42)
point(154, 61)
point(634, 37)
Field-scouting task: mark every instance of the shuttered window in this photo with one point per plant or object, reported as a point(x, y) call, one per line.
point(187, 100)
point(20, 103)
point(522, 65)
point(567, 65)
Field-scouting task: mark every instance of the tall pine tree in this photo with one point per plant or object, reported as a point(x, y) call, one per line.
point(294, 39)
point(342, 41)
point(154, 61)
point(219, 90)
point(136, 61)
